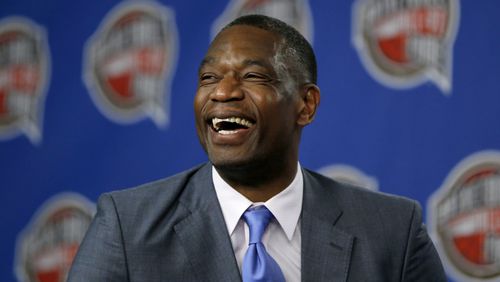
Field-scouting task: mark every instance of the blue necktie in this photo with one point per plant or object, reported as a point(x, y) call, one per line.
point(258, 265)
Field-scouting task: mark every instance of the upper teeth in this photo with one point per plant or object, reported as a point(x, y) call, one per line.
point(216, 121)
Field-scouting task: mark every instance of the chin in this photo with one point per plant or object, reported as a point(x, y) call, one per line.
point(231, 162)
point(227, 163)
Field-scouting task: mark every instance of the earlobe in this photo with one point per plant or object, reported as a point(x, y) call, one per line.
point(310, 102)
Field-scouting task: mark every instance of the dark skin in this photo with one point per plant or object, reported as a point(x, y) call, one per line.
point(246, 83)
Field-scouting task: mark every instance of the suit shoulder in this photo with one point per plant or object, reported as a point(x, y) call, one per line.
point(351, 195)
point(165, 188)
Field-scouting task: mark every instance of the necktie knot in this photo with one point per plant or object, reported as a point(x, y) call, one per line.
point(257, 219)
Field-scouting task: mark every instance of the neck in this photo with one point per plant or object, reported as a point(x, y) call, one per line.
point(259, 183)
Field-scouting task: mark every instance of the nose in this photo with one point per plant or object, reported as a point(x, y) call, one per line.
point(228, 89)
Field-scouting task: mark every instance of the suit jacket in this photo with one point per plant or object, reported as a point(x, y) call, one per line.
point(173, 230)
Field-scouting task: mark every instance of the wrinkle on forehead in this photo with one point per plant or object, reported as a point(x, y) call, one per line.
point(209, 60)
point(226, 43)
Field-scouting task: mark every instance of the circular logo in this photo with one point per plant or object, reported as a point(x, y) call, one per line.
point(296, 13)
point(465, 217)
point(24, 68)
point(405, 43)
point(351, 175)
point(130, 60)
point(46, 248)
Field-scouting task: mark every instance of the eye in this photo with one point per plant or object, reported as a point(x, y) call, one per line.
point(208, 78)
point(256, 77)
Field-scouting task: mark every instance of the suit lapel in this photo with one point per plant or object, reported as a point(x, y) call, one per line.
point(203, 232)
point(326, 249)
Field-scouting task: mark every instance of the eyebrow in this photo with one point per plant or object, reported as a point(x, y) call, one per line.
point(205, 61)
point(246, 63)
point(250, 62)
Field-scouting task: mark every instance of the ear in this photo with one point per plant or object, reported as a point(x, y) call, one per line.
point(310, 96)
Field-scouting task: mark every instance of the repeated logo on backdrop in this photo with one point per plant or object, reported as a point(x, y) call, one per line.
point(24, 72)
point(130, 60)
point(351, 175)
point(403, 43)
point(46, 248)
point(296, 13)
point(465, 218)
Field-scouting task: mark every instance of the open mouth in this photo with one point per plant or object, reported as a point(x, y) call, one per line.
point(230, 125)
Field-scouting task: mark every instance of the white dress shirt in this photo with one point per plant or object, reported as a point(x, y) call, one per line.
point(282, 238)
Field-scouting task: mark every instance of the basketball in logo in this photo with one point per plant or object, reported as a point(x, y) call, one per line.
point(129, 62)
point(403, 43)
point(465, 218)
point(296, 13)
point(46, 248)
point(24, 71)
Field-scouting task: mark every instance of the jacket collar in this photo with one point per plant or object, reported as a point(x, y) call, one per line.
point(203, 232)
point(326, 249)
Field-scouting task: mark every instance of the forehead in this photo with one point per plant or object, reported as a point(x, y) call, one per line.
point(243, 43)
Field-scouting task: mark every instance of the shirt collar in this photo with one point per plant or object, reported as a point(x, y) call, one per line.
point(285, 206)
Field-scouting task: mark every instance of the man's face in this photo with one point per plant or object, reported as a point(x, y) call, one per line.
point(246, 105)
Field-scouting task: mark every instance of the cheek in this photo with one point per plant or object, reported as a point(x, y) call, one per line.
point(285, 114)
point(198, 103)
point(266, 98)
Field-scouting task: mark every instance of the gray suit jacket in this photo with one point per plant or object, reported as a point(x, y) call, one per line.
point(174, 230)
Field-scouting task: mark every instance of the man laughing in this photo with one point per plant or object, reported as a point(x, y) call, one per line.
point(253, 213)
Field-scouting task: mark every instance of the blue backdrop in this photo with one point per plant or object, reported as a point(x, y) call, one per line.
point(397, 114)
